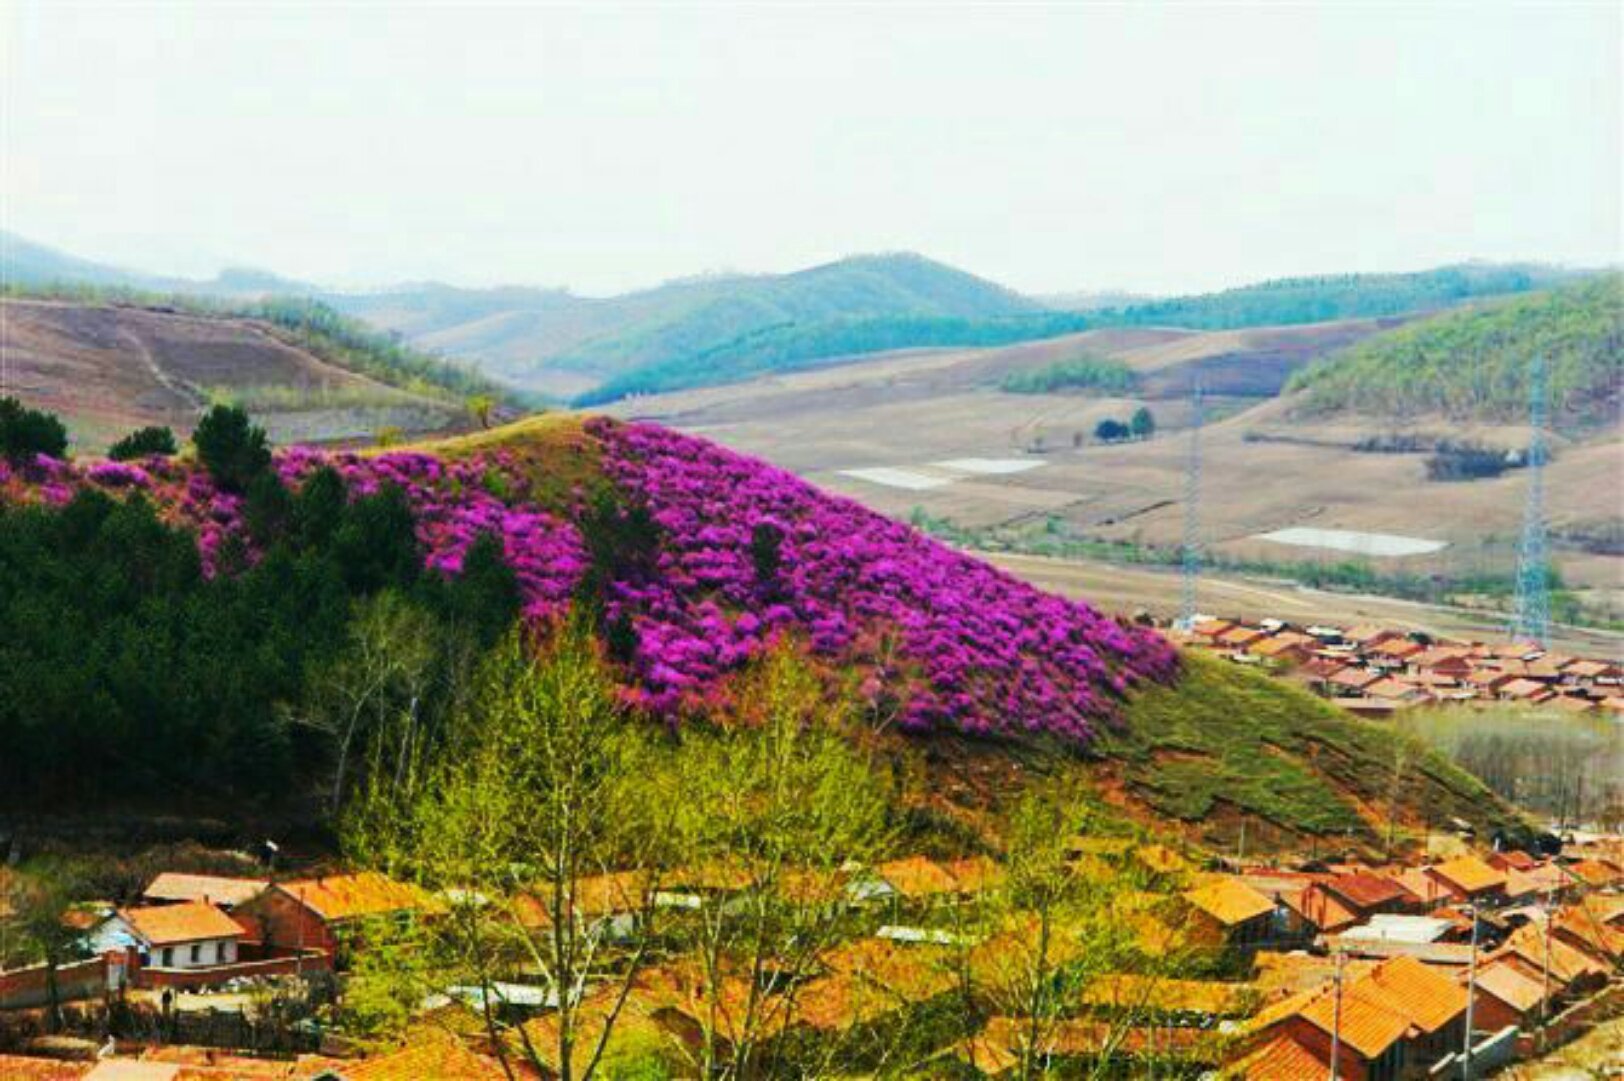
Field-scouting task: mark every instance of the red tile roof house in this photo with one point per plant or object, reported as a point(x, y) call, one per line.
point(1353, 898)
point(1468, 878)
point(324, 913)
point(1353, 679)
point(1400, 1016)
point(1523, 689)
point(171, 887)
point(189, 935)
point(1508, 995)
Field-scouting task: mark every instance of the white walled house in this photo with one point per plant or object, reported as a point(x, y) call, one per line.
point(194, 934)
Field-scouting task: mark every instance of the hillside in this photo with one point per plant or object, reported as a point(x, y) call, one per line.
point(1288, 302)
point(693, 562)
point(552, 339)
point(107, 361)
point(1472, 365)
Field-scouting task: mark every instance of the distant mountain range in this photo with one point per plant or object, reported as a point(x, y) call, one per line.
point(719, 329)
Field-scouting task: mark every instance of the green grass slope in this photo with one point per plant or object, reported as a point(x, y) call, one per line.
point(1226, 744)
point(1473, 364)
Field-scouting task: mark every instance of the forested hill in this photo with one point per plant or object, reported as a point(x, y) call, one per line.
point(1473, 364)
point(1289, 301)
point(549, 339)
point(275, 630)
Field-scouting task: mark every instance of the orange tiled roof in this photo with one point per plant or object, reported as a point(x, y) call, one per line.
point(1230, 902)
point(190, 921)
point(424, 1056)
point(1354, 677)
point(1468, 874)
point(1365, 889)
point(917, 876)
point(1597, 938)
point(1281, 1059)
point(1368, 1024)
point(1511, 985)
point(1418, 991)
point(336, 898)
point(216, 889)
point(1595, 872)
point(1529, 943)
point(1511, 858)
point(26, 1068)
point(1324, 910)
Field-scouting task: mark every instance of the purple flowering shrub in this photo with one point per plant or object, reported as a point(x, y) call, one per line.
point(732, 554)
point(940, 639)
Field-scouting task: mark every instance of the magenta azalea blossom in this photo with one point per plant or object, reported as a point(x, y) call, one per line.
point(936, 640)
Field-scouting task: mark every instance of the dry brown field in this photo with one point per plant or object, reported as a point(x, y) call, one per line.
point(1264, 468)
point(106, 369)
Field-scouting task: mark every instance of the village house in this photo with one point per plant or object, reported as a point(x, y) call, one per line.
point(1467, 878)
point(1507, 995)
point(319, 913)
point(171, 887)
point(1399, 1016)
point(1229, 912)
point(188, 935)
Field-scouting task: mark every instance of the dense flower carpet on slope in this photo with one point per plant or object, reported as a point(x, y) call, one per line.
point(744, 553)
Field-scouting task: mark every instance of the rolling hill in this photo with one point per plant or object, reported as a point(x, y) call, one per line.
point(695, 562)
point(554, 341)
point(725, 328)
point(1287, 302)
point(1472, 365)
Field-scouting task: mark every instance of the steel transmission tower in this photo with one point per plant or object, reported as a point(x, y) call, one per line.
point(1190, 562)
point(1533, 619)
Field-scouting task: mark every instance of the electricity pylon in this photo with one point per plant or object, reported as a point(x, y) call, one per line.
point(1533, 613)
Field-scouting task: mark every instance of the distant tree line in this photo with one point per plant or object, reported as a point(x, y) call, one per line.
point(1079, 373)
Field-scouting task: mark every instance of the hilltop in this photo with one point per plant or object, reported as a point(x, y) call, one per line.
point(691, 561)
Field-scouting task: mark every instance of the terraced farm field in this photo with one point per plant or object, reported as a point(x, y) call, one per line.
point(107, 369)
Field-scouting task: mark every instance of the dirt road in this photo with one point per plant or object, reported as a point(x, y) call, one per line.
point(1118, 588)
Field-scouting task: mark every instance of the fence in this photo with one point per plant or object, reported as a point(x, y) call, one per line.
point(214, 975)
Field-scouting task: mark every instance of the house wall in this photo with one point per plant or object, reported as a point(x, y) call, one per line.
point(183, 955)
point(1353, 1066)
point(1489, 1014)
point(29, 987)
point(285, 925)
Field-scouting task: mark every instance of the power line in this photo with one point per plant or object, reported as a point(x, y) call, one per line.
point(1190, 561)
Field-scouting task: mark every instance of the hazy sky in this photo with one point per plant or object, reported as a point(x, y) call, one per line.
point(606, 147)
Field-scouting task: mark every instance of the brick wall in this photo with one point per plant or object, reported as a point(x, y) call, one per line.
point(149, 977)
point(29, 987)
